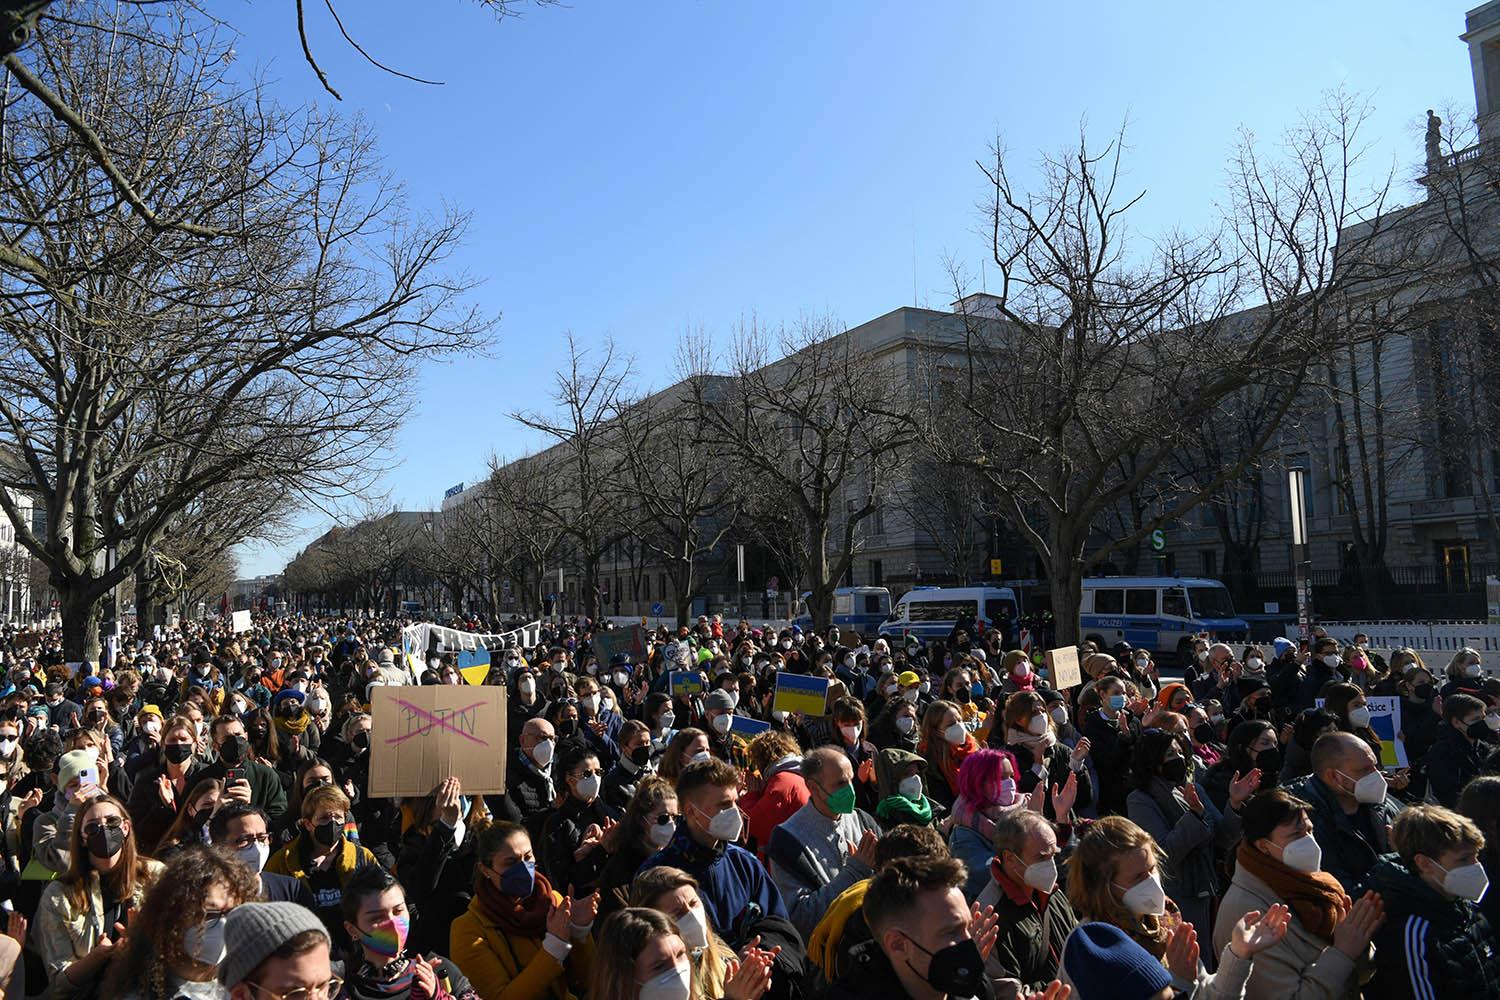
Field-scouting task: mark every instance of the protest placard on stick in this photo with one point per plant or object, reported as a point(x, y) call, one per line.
point(1063, 670)
point(801, 693)
point(421, 735)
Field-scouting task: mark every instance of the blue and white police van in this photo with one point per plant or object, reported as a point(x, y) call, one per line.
point(931, 612)
point(1159, 613)
point(856, 609)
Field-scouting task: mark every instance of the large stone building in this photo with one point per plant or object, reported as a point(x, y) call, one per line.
point(15, 569)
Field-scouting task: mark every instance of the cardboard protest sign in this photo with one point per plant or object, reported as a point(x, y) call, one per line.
point(631, 639)
point(1063, 670)
point(686, 682)
point(801, 693)
point(240, 621)
point(746, 726)
point(421, 735)
point(1385, 719)
point(473, 665)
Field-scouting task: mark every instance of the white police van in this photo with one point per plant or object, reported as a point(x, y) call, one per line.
point(1159, 613)
point(861, 609)
point(931, 612)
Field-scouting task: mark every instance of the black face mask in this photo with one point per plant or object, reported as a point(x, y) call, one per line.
point(234, 750)
point(327, 833)
point(1174, 770)
point(957, 970)
point(360, 740)
point(963, 696)
point(106, 842)
point(1423, 692)
point(640, 756)
point(177, 753)
point(1478, 730)
point(566, 728)
point(1269, 762)
point(1203, 733)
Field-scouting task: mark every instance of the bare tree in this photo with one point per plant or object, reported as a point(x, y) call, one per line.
point(676, 486)
point(577, 489)
point(945, 503)
point(818, 431)
point(1095, 347)
point(180, 362)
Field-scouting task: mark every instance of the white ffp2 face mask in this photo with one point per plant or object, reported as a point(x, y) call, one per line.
point(1466, 881)
point(1042, 876)
point(1303, 854)
point(910, 787)
point(693, 927)
point(674, 984)
point(1146, 897)
point(1359, 717)
point(205, 943)
point(1370, 789)
point(955, 733)
point(254, 856)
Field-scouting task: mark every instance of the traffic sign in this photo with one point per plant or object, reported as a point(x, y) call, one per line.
point(658, 609)
point(1158, 540)
point(995, 567)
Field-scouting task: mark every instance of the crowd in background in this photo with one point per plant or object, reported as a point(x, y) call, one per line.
point(194, 820)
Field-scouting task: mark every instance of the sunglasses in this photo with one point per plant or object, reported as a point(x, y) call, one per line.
point(99, 826)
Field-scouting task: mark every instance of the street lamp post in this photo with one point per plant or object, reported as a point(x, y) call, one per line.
point(1297, 491)
point(739, 558)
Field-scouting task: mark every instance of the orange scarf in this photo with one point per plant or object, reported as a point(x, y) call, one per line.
point(1317, 900)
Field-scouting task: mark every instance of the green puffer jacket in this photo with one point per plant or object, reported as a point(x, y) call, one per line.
point(1430, 946)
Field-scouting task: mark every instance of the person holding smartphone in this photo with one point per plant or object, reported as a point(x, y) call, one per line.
point(77, 783)
point(245, 779)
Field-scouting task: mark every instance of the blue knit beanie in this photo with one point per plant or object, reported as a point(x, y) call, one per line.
point(1103, 963)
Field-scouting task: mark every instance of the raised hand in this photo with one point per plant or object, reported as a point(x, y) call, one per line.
point(1080, 752)
point(1182, 953)
point(1038, 796)
point(447, 801)
point(1055, 991)
point(1241, 789)
point(424, 979)
point(984, 928)
point(582, 911)
point(15, 927)
point(747, 978)
point(1354, 932)
point(1190, 795)
point(557, 919)
point(1062, 800)
point(1254, 933)
point(866, 850)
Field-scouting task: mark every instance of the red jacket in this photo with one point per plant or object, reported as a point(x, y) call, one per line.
point(783, 794)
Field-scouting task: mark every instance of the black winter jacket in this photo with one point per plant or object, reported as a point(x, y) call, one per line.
point(1430, 946)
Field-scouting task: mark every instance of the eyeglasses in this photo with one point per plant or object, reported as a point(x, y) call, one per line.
point(98, 826)
point(323, 991)
point(241, 843)
point(665, 818)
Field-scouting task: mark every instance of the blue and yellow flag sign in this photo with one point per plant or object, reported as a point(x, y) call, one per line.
point(801, 693)
point(686, 682)
point(747, 727)
point(474, 665)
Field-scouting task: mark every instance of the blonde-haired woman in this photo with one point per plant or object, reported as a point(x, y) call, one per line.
point(1114, 877)
point(1465, 673)
point(716, 970)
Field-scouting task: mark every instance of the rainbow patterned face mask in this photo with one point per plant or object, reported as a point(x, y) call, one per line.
point(388, 938)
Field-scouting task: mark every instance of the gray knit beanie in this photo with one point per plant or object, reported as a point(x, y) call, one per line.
point(253, 931)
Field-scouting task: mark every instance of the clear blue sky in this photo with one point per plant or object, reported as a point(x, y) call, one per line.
point(637, 168)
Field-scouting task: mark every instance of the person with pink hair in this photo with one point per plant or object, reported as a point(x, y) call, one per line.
point(986, 789)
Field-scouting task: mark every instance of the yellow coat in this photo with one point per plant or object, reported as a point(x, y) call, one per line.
point(503, 967)
point(823, 945)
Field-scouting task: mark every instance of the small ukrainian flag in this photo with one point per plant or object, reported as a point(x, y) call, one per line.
point(801, 693)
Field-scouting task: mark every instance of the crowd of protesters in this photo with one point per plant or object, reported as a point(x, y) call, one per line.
point(193, 820)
